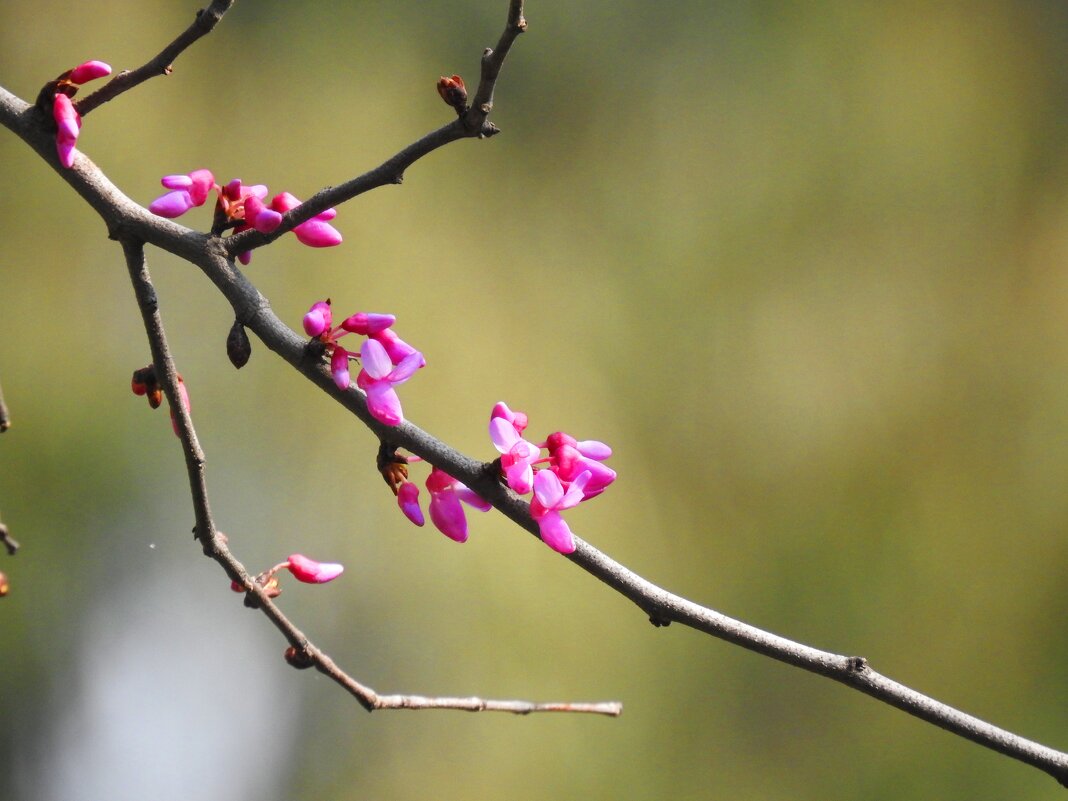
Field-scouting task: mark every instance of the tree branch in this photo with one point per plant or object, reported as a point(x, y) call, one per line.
point(205, 22)
point(134, 225)
point(215, 546)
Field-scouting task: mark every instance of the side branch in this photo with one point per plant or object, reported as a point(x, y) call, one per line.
point(216, 548)
point(9, 542)
point(205, 22)
point(492, 61)
point(5, 416)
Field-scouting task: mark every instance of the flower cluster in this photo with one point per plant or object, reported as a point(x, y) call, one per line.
point(386, 359)
point(573, 473)
point(303, 569)
point(145, 382)
point(447, 495)
point(68, 121)
point(242, 207)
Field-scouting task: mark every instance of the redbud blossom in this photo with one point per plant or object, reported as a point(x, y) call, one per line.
point(379, 376)
point(319, 319)
point(311, 572)
point(4, 585)
point(188, 191)
point(550, 498)
point(89, 71)
point(446, 512)
point(518, 455)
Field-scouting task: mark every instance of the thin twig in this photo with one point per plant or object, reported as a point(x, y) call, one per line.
point(9, 542)
point(216, 548)
point(205, 22)
point(472, 124)
point(5, 415)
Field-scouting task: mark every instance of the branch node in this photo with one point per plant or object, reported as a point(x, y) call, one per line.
point(856, 664)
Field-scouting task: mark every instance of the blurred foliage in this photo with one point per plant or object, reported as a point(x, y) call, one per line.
point(804, 266)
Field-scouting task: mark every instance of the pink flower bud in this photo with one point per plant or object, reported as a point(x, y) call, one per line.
point(408, 501)
point(311, 572)
point(89, 71)
point(68, 124)
point(366, 323)
point(318, 319)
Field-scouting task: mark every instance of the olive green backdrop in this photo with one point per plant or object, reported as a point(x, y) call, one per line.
point(803, 265)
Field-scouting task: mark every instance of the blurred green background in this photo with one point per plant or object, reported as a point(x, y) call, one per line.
point(803, 265)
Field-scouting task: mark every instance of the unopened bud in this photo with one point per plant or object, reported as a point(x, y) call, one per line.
point(453, 92)
point(4, 586)
point(297, 658)
point(238, 347)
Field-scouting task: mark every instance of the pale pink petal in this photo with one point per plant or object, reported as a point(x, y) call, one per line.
point(176, 181)
point(375, 360)
point(547, 488)
point(407, 368)
point(593, 449)
point(503, 434)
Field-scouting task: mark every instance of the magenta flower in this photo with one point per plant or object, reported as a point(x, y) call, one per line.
point(316, 232)
point(446, 511)
point(550, 498)
point(187, 191)
point(379, 376)
point(517, 455)
point(379, 373)
point(309, 571)
point(570, 458)
point(68, 121)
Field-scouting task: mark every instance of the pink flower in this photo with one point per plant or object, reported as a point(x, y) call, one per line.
point(187, 191)
point(570, 458)
point(379, 376)
point(311, 572)
point(550, 498)
point(68, 121)
point(316, 232)
point(446, 512)
point(518, 455)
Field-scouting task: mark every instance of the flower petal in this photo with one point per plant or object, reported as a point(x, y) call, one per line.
point(555, 533)
point(312, 572)
point(375, 360)
point(339, 367)
point(448, 515)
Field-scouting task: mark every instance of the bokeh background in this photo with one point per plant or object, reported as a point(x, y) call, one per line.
point(803, 265)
